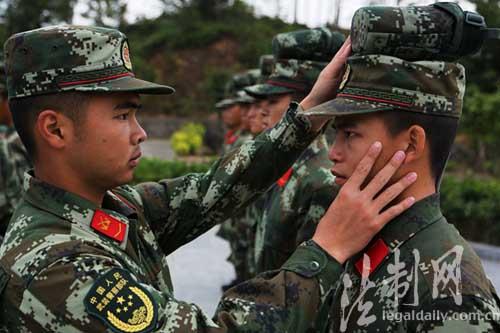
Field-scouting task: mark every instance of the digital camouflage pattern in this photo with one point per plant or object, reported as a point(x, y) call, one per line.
point(252, 216)
point(52, 245)
point(441, 31)
point(418, 263)
point(296, 68)
point(319, 44)
point(412, 33)
point(234, 91)
point(289, 75)
point(229, 230)
point(431, 87)
point(14, 162)
point(266, 66)
point(232, 229)
point(72, 58)
point(293, 207)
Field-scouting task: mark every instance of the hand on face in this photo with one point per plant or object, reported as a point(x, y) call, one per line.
point(356, 214)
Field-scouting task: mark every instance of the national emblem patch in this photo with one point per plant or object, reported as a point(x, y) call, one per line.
point(122, 303)
point(126, 56)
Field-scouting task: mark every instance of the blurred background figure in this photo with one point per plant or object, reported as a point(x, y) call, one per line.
point(14, 160)
point(295, 203)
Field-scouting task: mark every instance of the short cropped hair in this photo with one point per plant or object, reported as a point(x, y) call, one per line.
point(25, 112)
point(440, 133)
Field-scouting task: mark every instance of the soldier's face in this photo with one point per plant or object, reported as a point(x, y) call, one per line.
point(255, 118)
point(106, 150)
point(231, 116)
point(354, 136)
point(245, 122)
point(274, 108)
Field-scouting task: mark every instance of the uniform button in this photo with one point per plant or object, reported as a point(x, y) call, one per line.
point(314, 265)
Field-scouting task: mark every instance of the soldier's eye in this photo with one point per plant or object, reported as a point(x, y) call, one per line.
point(349, 134)
point(123, 116)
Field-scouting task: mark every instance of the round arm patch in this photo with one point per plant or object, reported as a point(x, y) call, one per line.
point(122, 303)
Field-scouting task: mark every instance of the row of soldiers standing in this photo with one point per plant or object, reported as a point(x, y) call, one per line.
point(265, 234)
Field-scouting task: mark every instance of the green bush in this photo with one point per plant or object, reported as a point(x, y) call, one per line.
point(189, 139)
point(153, 169)
point(473, 206)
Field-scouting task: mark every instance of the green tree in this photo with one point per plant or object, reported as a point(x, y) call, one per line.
point(480, 121)
point(21, 15)
point(208, 9)
point(106, 12)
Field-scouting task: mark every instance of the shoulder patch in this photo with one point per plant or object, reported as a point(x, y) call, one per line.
point(109, 226)
point(122, 303)
point(4, 278)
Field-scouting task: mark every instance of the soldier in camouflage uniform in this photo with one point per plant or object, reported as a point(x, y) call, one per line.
point(234, 109)
point(295, 203)
point(253, 211)
point(13, 161)
point(418, 274)
point(233, 229)
point(84, 254)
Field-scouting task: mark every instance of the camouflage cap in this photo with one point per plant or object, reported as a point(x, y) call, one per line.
point(241, 97)
point(289, 76)
point(301, 55)
point(379, 83)
point(319, 44)
point(441, 31)
point(234, 92)
point(239, 81)
point(72, 58)
point(266, 66)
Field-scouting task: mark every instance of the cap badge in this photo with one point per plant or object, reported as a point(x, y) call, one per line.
point(126, 56)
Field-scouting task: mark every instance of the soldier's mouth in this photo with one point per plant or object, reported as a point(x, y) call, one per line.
point(339, 178)
point(134, 161)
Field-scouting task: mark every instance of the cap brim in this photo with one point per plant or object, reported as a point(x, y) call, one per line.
point(341, 106)
point(225, 103)
point(265, 89)
point(125, 84)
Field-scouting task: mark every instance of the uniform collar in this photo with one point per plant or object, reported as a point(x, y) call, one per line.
point(71, 207)
point(397, 232)
point(422, 214)
point(318, 147)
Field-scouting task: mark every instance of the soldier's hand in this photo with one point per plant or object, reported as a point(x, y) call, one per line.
point(326, 86)
point(356, 214)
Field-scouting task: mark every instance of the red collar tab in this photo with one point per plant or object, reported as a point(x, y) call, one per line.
point(285, 178)
point(376, 253)
point(108, 226)
point(230, 137)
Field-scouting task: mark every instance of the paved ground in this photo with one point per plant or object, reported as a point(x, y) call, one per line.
point(157, 148)
point(199, 268)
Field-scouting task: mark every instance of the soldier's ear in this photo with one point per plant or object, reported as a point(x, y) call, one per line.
point(416, 141)
point(52, 128)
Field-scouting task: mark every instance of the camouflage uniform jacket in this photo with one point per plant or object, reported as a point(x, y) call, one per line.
point(419, 266)
point(294, 206)
point(234, 139)
point(59, 274)
point(13, 163)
